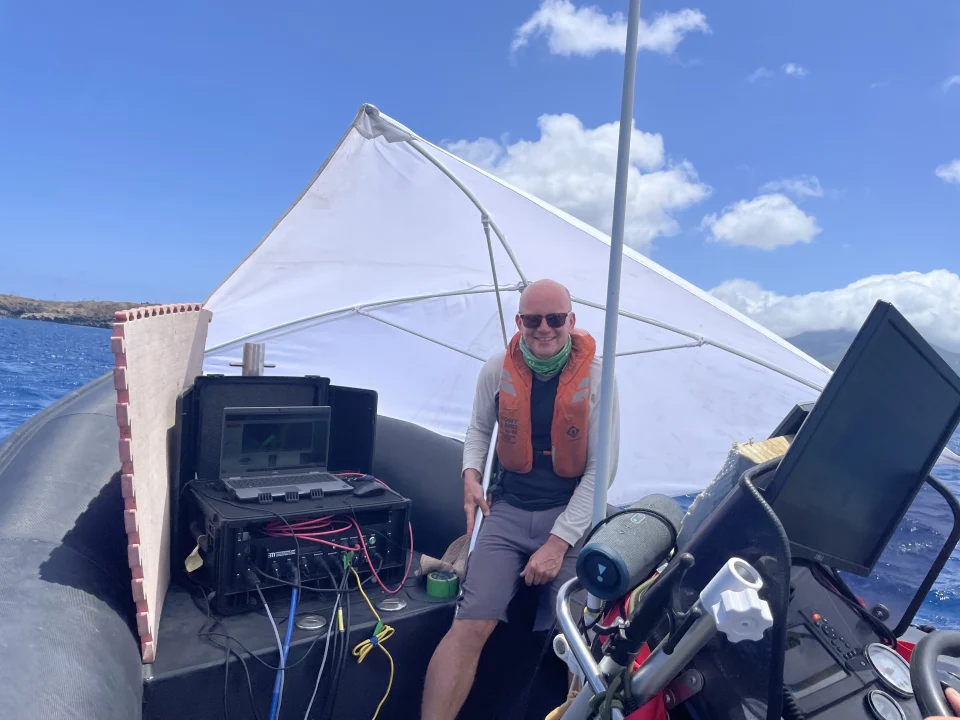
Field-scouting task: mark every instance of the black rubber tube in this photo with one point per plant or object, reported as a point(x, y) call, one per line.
point(68, 649)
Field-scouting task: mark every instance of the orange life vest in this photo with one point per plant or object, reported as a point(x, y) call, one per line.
point(571, 410)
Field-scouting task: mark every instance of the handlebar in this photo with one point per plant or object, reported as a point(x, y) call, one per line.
point(729, 604)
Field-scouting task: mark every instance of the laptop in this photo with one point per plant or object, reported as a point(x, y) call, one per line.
point(269, 453)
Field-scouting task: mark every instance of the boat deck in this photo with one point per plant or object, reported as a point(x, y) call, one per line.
point(180, 684)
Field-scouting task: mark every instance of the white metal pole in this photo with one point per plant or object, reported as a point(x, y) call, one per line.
point(487, 469)
point(613, 278)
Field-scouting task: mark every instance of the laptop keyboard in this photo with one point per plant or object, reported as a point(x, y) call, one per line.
point(279, 481)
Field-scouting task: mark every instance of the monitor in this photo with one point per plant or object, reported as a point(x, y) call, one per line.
point(273, 439)
point(794, 419)
point(867, 446)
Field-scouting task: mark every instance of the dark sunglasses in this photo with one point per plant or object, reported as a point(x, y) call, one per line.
point(554, 320)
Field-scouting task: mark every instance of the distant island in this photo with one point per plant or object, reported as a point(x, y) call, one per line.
point(829, 347)
point(93, 313)
point(825, 346)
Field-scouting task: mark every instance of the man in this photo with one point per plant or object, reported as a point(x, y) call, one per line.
point(545, 392)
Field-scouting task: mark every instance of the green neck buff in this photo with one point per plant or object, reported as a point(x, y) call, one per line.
point(549, 367)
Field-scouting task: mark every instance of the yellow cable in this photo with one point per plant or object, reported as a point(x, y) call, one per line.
point(362, 649)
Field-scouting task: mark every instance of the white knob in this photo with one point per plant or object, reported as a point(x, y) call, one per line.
point(742, 615)
point(731, 597)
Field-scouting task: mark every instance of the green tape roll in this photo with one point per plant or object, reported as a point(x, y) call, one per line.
point(442, 584)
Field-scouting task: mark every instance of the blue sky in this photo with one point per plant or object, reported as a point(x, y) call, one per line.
point(145, 149)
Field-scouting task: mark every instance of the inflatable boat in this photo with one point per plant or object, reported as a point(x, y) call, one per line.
point(737, 611)
point(138, 582)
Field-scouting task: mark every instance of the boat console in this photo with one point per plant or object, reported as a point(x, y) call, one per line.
point(836, 663)
point(827, 515)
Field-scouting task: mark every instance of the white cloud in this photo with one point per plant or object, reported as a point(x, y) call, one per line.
point(801, 186)
point(587, 30)
point(950, 82)
point(574, 168)
point(766, 222)
point(930, 301)
point(795, 70)
point(879, 84)
point(950, 172)
point(758, 74)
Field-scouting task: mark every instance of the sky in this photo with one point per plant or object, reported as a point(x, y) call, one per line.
point(798, 160)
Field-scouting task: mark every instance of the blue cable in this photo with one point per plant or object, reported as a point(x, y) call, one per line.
point(275, 703)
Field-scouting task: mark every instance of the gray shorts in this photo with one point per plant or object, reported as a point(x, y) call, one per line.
point(507, 539)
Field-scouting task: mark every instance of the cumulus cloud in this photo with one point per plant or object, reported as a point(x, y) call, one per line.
point(574, 168)
point(795, 70)
point(950, 82)
point(758, 74)
point(930, 301)
point(801, 186)
point(950, 172)
point(572, 30)
point(766, 222)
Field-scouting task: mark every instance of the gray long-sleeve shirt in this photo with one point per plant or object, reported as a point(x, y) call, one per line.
point(575, 519)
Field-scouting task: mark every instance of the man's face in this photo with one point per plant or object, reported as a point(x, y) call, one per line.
point(543, 340)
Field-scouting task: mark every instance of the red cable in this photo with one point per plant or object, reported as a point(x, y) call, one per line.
point(327, 542)
point(406, 572)
point(277, 529)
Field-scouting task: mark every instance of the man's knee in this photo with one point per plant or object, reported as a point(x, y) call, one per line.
point(472, 634)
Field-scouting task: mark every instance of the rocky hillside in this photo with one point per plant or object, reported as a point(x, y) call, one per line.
point(95, 313)
point(829, 347)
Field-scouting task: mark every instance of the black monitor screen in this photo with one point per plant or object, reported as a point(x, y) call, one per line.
point(867, 446)
point(268, 439)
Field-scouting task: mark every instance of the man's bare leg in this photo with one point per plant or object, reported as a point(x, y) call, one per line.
point(452, 668)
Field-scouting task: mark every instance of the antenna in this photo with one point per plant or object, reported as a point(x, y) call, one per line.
point(613, 277)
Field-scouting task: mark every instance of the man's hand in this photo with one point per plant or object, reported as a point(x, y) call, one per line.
point(544, 565)
point(473, 497)
point(953, 697)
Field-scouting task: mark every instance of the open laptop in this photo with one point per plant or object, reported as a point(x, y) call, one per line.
point(277, 452)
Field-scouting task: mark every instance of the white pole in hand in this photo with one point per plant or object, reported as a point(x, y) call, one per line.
point(487, 468)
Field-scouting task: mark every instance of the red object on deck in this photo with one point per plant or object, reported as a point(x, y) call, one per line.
point(905, 649)
point(655, 709)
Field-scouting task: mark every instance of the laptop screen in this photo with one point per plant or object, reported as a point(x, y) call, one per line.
point(265, 440)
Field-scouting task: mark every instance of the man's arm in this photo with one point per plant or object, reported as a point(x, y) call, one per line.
point(476, 444)
point(575, 520)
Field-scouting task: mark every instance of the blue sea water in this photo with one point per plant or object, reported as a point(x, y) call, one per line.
point(41, 362)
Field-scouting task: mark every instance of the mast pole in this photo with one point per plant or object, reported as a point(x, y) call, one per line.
point(613, 278)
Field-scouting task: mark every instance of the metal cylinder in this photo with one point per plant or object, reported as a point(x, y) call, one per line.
point(253, 355)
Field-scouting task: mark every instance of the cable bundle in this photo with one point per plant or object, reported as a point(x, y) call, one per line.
point(318, 529)
point(334, 531)
point(314, 530)
point(380, 633)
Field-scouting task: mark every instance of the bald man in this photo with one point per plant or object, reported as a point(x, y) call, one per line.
point(545, 392)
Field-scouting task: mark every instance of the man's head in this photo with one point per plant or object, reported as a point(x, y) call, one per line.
point(545, 301)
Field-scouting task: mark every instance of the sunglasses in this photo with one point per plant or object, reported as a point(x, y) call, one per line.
point(554, 320)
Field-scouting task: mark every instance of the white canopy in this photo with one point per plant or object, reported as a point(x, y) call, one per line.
point(380, 276)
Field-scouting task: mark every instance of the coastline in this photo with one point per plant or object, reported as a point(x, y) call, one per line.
point(89, 313)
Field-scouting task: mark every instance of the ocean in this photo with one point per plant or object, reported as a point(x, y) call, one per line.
point(41, 362)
